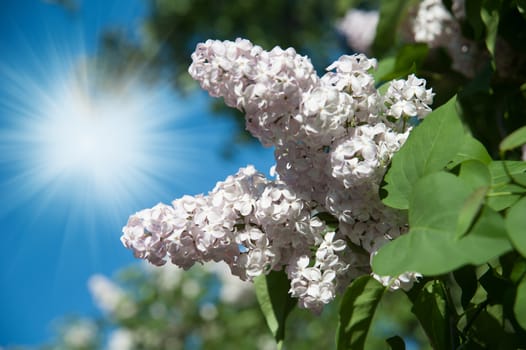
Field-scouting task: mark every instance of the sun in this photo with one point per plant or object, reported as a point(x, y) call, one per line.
point(102, 140)
point(99, 143)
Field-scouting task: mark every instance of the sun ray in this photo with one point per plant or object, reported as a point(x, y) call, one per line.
point(67, 135)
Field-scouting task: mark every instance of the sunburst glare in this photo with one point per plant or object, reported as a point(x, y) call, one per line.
point(74, 134)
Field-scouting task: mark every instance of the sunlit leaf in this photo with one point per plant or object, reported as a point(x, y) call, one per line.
point(516, 225)
point(514, 140)
point(471, 149)
point(434, 206)
point(275, 302)
point(503, 193)
point(430, 146)
point(356, 312)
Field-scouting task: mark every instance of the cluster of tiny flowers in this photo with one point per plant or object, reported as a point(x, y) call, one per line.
point(333, 136)
point(437, 27)
point(431, 23)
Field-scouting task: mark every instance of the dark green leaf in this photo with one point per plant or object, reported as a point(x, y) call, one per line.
point(466, 278)
point(431, 308)
point(518, 271)
point(519, 308)
point(472, 8)
point(272, 292)
point(408, 59)
point(396, 343)
point(521, 7)
point(495, 286)
point(391, 14)
point(514, 140)
point(430, 146)
point(486, 328)
point(356, 312)
point(516, 225)
point(434, 206)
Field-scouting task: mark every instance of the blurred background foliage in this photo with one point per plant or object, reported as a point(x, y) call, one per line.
point(151, 308)
point(490, 82)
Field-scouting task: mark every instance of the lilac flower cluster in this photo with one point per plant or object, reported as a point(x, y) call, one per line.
point(333, 137)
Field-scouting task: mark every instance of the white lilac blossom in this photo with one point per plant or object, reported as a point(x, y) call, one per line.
point(121, 339)
point(81, 334)
point(333, 136)
point(359, 29)
point(435, 26)
point(407, 98)
point(432, 22)
point(266, 85)
point(110, 298)
point(404, 281)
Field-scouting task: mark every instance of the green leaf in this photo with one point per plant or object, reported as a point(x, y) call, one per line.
point(502, 172)
point(431, 246)
point(470, 210)
point(475, 174)
point(471, 149)
point(516, 225)
point(356, 312)
point(466, 278)
point(478, 177)
point(431, 308)
point(519, 307)
point(521, 7)
point(430, 146)
point(514, 140)
point(472, 8)
point(385, 66)
point(503, 193)
point(275, 302)
point(408, 59)
point(396, 343)
point(391, 14)
point(489, 13)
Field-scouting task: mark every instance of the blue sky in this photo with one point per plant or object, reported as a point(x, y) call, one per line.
point(61, 217)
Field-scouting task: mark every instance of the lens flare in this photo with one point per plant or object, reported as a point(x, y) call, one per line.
point(73, 134)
